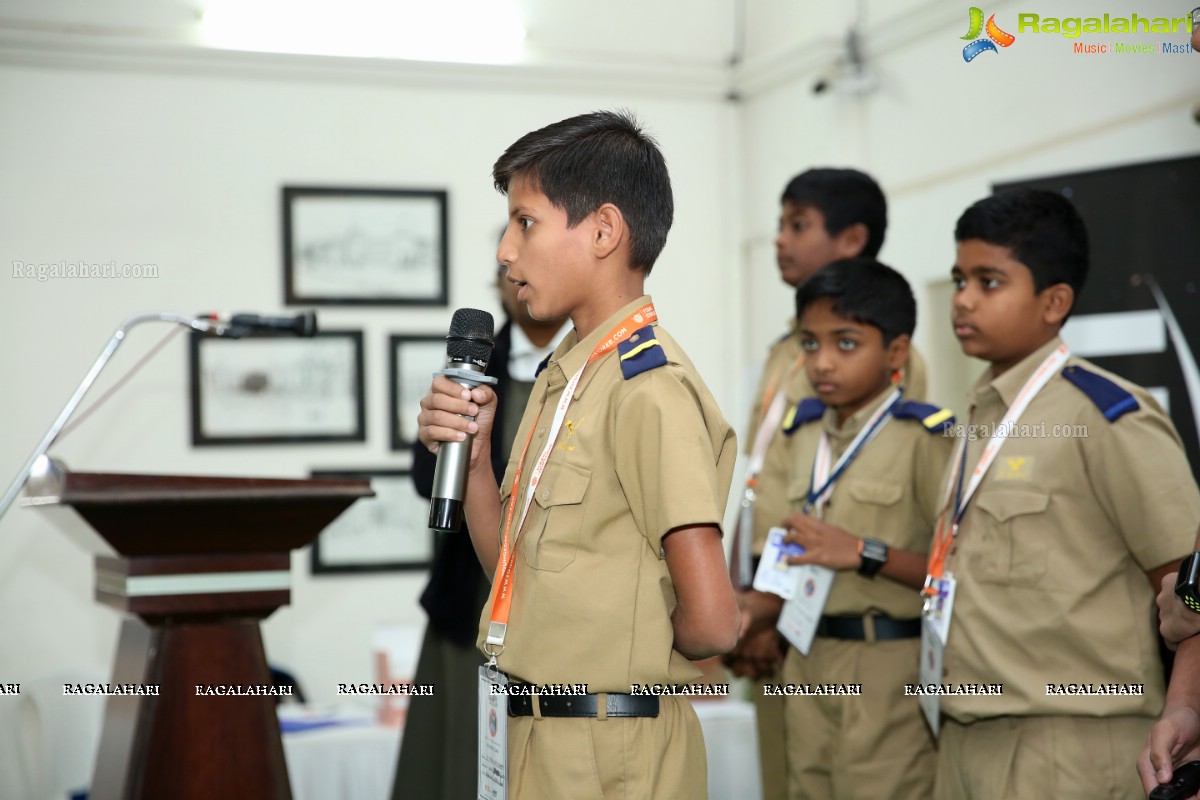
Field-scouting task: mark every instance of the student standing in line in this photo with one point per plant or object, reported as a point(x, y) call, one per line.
point(1056, 538)
point(826, 214)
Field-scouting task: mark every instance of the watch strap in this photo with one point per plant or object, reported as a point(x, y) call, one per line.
point(874, 555)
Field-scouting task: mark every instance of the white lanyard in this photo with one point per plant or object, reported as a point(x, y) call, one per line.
point(1041, 376)
point(560, 413)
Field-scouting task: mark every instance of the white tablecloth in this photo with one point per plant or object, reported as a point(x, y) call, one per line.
point(731, 738)
point(356, 760)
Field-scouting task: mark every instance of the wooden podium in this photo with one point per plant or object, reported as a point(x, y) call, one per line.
point(198, 562)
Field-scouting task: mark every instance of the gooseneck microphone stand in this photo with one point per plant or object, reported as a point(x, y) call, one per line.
point(218, 328)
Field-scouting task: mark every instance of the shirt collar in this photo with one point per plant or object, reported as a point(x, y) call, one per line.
point(520, 347)
point(1009, 384)
point(855, 424)
point(572, 353)
point(519, 344)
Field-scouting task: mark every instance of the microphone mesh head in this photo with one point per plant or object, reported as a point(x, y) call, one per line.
point(470, 337)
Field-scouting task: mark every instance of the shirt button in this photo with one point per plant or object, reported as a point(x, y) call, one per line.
point(545, 494)
point(542, 431)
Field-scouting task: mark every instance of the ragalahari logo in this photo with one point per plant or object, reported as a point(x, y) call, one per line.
point(995, 36)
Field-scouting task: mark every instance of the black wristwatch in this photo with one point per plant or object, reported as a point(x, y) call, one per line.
point(1185, 585)
point(874, 555)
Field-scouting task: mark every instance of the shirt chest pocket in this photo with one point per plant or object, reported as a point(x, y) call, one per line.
point(1014, 537)
point(870, 508)
point(875, 493)
point(550, 539)
point(863, 495)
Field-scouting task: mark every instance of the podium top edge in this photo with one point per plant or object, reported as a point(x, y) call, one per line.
point(103, 488)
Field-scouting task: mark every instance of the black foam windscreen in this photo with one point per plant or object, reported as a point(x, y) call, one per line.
point(470, 337)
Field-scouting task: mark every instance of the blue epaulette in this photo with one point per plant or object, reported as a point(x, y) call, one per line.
point(640, 353)
point(1113, 401)
point(934, 418)
point(807, 410)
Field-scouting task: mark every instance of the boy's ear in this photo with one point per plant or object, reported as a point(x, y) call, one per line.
point(897, 351)
point(852, 240)
point(610, 230)
point(1057, 301)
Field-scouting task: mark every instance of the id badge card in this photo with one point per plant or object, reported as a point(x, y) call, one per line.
point(774, 574)
point(493, 735)
point(801, 614)
point(933, 650)
point(941, 606)
point(935, 631)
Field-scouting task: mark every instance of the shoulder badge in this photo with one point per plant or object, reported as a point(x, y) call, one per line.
point(807, 410)
point(1113, 401)
point(544, 363)
point(640, 353)
point(934, 418)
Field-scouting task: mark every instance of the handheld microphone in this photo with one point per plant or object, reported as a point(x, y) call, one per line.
point(239, 325)
point(468, 350)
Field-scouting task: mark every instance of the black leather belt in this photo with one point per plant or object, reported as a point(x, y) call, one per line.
point(855, 628)
point(583, 705)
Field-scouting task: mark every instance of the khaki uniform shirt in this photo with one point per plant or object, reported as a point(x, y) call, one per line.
point(771, 505)
point(890, 492)
point(1052, 552)
point(634, 459)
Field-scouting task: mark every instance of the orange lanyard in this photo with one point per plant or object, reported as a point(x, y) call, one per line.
point(502, 591)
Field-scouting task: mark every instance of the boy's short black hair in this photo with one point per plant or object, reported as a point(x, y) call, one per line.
point(603, 157)
point(1042, 229)
point(844, 197)
point(866, 291)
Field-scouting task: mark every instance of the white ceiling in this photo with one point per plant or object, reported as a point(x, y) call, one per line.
point(698, 32)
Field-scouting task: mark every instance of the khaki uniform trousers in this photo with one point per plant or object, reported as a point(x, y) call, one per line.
point(619, 758)
point(772, 744)
point(1019, 758)
point(858, 748)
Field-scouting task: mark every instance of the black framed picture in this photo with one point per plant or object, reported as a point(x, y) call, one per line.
point(389, 531)
point(276, 389)
point(412, 360)
point(345, 246)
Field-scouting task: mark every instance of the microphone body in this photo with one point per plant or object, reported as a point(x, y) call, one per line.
point(453, 461)
point(468, 350)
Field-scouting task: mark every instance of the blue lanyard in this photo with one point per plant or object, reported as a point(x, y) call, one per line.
point(849, 457)
point(959, 507)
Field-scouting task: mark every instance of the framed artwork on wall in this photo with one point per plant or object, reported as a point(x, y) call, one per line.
point(412, 360)
point(274, 389)
point(346, 246)
point(389, 531)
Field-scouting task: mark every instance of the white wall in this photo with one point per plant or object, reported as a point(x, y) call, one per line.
point(179, 163)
